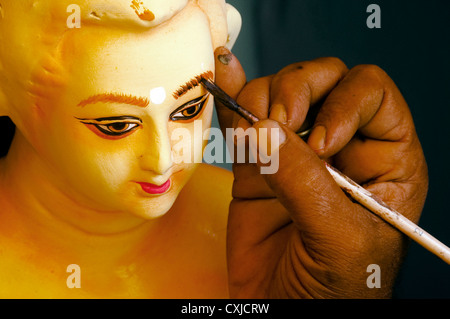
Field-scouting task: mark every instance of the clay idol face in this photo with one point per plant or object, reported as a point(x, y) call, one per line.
point(106, 124)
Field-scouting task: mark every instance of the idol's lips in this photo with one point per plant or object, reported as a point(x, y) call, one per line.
point(155, 189)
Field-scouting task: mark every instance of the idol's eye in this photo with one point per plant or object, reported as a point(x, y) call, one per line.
point(115, 127)
point(189, 110)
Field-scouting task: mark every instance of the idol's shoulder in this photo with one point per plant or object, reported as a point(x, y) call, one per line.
point(219, 181)
point(210, 191)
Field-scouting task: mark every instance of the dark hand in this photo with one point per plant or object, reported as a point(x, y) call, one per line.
point(295, 233)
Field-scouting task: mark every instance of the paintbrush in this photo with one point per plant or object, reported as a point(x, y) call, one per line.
point(358, 193)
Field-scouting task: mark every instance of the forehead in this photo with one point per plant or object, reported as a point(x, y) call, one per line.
point(136, 62)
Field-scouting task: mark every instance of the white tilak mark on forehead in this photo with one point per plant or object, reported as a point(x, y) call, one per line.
point(158, 95)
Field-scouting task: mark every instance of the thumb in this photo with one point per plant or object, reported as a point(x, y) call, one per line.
point(301, 182)
point(230, 77)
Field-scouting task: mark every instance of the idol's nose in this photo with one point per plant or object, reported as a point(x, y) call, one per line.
point(157, 156)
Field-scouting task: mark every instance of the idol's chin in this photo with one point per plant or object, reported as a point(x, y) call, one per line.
point(154, 208)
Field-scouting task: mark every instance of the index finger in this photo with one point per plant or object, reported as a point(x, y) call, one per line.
point(301, 85)
point(365, 101)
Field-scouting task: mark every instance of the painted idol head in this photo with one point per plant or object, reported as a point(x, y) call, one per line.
point(97, 88)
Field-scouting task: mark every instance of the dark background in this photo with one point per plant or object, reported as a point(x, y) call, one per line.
point(412, 46)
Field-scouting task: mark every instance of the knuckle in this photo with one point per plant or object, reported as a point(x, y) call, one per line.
point(298, 74)
point(332, 64)
point(255, 96)
point(289, 78)
point(292, 68)
point(290, 83)
point(334, 61)
point(335, 109)
point(370, 70)
point(254, 85)
point(319, 63)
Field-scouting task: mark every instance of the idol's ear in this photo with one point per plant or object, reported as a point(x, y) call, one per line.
point(234, 21)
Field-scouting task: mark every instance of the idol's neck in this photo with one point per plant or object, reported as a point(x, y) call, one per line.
point(40, 209)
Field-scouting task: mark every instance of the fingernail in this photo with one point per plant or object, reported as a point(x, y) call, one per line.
point(278, 113)
point(317, 139)
point(225, 58)
point(270, 138)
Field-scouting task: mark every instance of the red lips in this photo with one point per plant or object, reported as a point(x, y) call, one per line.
point(155, 189)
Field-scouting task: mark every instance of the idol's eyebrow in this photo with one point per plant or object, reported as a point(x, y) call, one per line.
point(116, 98)
point(192, 83)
